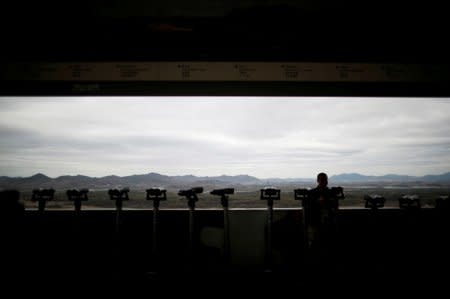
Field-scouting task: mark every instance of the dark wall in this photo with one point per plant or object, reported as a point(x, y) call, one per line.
point(391, 249)
point(392, 234)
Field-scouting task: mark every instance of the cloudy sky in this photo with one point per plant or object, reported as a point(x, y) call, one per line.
point(264, 137)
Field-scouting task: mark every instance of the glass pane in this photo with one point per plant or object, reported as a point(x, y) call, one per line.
point(214, 142)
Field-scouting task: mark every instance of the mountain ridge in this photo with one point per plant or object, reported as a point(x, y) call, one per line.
point(151, 179)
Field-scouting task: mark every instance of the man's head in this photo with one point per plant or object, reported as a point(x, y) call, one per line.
point(322, 180)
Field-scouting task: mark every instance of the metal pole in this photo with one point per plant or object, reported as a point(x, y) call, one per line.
point(118, 216)
point(155, 230)
point(41, 205)
point(223, 193)
point(77, 196)
point(156, 195)
point(270, 194)
point(226, 234)
point(77, 204)
point(42, 196)
point(191, 229)
point(269, 234)
point(191, 196)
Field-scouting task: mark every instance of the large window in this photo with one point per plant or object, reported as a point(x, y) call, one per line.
point(379, 146)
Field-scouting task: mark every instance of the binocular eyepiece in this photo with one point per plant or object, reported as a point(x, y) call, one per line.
point(374, 198)
point(39, 194)
point(409, 201)
point(191, 193)
point(337, 192)
point(410, 197)
point(301, 194)
point(75, 194)
point(156, 193)
point(121, 194)
point(374, 201)
point(222, 192)
point(444, 197)
point(270, 193)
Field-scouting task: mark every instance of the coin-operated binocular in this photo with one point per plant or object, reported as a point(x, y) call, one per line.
point(302, 195)
point(223, 193)
point(374, 201)
point(77, 196)
point(191, 195)
point(338, 194)
point(41, 196)
point(191, 192)
point(156, 195)
point(270, 194)
point(119, 196)
point(408, 201)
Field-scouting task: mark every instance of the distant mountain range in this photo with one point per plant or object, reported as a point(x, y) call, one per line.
point(359, 178)
point(144, 181)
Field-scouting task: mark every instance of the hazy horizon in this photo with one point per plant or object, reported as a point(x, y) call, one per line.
point(242, 174)
point(210, 136)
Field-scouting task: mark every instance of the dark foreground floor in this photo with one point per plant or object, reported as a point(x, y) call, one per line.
point(395, 254)
point(339, 279)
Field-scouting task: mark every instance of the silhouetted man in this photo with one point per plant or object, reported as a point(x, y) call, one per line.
point(320, 215)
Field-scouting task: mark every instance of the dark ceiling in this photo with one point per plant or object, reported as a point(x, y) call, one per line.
point(400, 32)
point(362, 31)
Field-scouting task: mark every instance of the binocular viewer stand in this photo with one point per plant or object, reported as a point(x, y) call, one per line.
point(269, 194)
point(191, 196)
point(119, 196)
point(224, 196)
point(41, 196)
point(155, 195)
point(77, 196)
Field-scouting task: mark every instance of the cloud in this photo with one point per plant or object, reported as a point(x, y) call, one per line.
point(265, 137)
